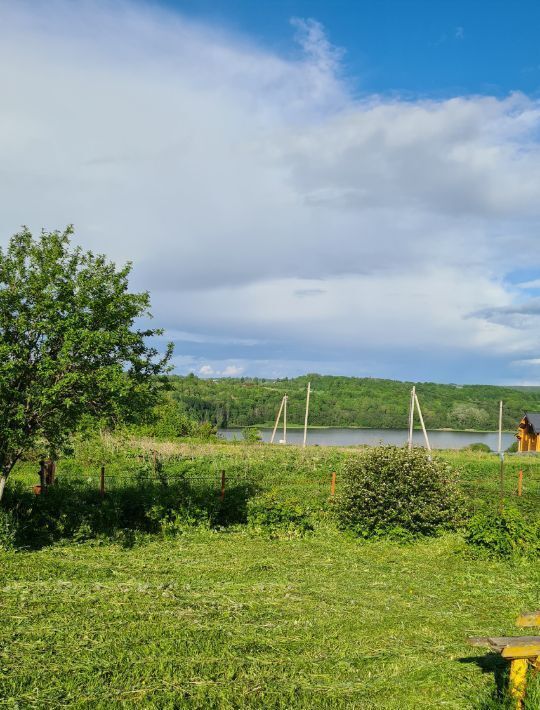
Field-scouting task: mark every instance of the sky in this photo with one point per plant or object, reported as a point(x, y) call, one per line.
point(303, 186)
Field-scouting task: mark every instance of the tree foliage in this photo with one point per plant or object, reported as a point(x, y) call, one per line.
point(69, 345)
point(351, 401)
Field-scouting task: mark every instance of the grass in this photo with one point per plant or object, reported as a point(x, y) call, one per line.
point(230, 619)
point(226, 620)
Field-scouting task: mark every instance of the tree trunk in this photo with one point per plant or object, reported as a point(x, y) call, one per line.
point(3, 481)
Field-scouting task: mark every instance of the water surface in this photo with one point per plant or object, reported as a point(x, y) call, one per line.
point(336, 436)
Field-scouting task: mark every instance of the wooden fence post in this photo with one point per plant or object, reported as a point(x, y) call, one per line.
point(50, 472)
point(222, 485)
point(102, 482)
point(333, 485)
point(42, 476)
point(520, 483)
point(501, 484)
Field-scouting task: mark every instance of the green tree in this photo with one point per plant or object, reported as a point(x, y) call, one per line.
point(69, 346)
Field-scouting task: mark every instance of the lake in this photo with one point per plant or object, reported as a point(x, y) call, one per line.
point(353, 437)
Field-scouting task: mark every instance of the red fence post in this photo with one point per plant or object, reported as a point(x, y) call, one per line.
point(520, 483)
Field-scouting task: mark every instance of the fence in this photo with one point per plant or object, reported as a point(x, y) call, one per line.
point(309, 478)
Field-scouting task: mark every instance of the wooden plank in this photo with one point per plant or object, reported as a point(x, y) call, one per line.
point(521, 651)
point(510, 646)
point(530, 618)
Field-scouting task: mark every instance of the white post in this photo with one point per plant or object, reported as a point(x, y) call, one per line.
point(411, 416)
point(277, 421)
point(422, 422)
point(285, 419)
point(500, 426)
point(307, 412)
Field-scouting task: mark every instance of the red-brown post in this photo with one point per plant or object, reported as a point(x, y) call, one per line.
point(102, 482)
point(222, 485)
point(520, 483)
point(333, 485)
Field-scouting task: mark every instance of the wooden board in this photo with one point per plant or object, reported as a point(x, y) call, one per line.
point(531, 618)
point(510, 646)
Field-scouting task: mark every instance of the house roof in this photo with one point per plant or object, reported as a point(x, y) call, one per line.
point(534, 420)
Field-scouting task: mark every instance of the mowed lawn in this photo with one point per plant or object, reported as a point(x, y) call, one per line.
point(231, 620)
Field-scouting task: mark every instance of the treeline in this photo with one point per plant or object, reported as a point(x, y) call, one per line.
point(349, 401)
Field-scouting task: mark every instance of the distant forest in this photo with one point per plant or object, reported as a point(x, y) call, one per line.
point(350, 401)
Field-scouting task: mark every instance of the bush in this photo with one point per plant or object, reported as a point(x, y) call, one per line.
point(8, 530)
point(504, 533)
point(70, 511)
point(393, 491)
point(277, 517)
point(478, 446)
point(513, 448)
point(251, 435)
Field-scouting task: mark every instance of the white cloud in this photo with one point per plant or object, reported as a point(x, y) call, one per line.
point(232, 371)
point(534, 284)
point(213, 371)
point(262, 203)
point(526, 363)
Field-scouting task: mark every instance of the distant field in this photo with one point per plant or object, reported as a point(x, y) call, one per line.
point(230, 619)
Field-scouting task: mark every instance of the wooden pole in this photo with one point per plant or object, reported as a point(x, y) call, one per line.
point(285, 419)
point(307, 413)
point(501, 483)
point(333, 485)
point(411, 416)
point(422, 422)
point(42, 477)
point(102, 482)
point(520, 483)
point(222, 496)
point(500, 426)
point(277, 420)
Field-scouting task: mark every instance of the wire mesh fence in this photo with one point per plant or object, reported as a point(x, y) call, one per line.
point(313, 477)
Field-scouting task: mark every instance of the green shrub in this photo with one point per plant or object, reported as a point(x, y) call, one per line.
point(513, 448)
point(268, 513)
point(251, 435)
point(478, 446)
point(8, 530)
point(393, 491)
point(504, 533)
point(179, 521)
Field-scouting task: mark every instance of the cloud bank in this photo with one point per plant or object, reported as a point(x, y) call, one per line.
point(281, 222)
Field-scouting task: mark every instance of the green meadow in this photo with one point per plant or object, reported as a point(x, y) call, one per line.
point(225, 616)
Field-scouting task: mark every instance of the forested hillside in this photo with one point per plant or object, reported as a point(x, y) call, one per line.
point(351, 401)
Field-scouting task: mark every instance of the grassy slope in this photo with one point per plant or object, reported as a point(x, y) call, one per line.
point(225, 620)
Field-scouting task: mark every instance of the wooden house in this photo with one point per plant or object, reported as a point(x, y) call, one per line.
point(528, 435)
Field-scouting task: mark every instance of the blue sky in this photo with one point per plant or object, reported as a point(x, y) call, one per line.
point(442, 48)
point(335, 187)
